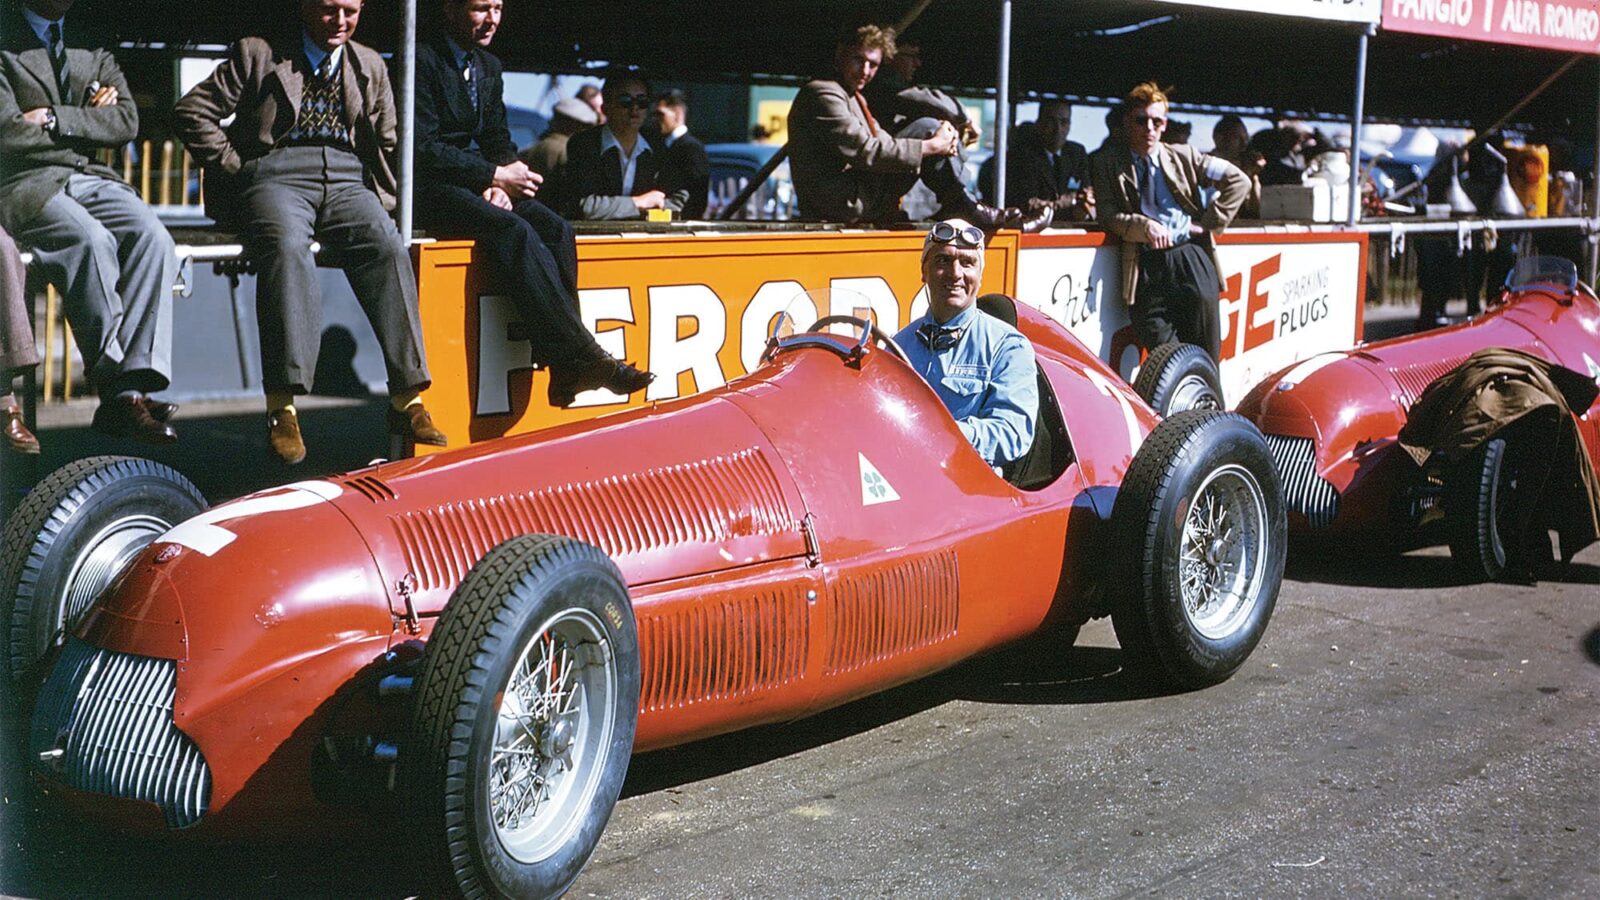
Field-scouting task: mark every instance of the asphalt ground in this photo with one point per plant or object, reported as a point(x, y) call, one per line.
point(1398, 732)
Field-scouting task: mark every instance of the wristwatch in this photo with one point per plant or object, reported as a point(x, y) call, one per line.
point(50, 121)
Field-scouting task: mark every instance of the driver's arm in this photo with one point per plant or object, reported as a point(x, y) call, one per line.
point(1002, 429)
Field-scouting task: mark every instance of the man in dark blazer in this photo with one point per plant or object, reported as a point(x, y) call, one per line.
point(90, 233)
point(613, 171)
point(1044, 170)
point(309, 157)
point(470, 184)
point(684, 164)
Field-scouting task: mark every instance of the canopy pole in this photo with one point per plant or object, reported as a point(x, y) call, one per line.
point(408, 114)
point(1002, 105)
point(1594, 205)
point(1356, 179)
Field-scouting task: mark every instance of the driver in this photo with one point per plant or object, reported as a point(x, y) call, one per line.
point(982, 368)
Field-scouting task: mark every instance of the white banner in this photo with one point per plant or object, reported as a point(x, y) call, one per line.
point(1282, 302)
point(1337, 10)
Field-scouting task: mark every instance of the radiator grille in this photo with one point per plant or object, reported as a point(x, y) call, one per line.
point(111, 715)
point(882, 613)
point(1304, 491)
point(722, 650)
point(700, 502)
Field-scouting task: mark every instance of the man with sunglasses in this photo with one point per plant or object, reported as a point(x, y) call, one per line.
point(1150, 196)
point(470, 184)
point(613, 171)
point(982, 368)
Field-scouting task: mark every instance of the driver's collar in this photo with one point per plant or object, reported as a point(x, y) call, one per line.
point(956, 321)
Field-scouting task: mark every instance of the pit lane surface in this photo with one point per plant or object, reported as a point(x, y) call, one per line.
point(1396, 733)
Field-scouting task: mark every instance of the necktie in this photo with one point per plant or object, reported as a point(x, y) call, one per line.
point(329, 69)
point(472, 83)
point(872, 124)
point(58, 58)
point(1147, 183)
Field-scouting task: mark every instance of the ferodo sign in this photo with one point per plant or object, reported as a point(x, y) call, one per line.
point(1285, 297)
point(696, 311)
point(1572, 26)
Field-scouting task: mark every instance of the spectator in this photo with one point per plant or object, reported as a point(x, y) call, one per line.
point(1149, 196)
point(321, 170)
point(613, 170)
point(471, 185)
point(590, 94)
point(899, 100)
point(1177, 132)
point(1044, 170)
point(846, 168)
point(1280, 147)
point(548, 156)
point(1115, 138)
point(17, 351)
point(90, 233)
point(1232, 143)
point(684, 164)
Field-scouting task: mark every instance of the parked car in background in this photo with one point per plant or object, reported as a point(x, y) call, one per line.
point(732, 167)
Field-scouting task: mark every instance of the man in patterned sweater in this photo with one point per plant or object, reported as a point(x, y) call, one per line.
point(317, 167)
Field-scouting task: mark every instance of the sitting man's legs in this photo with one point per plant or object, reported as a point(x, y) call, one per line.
point(115, 263)
point(942, 175)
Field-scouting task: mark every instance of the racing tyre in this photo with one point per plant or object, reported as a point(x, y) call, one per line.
point(526, 705)
point(69, 538)
point(1480, 499)
point(1202, 531)
point(1176, 377)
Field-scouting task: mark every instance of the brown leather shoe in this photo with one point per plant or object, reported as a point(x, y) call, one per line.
point(17, 435)
point(283, 433)
point(127, 417)
point(1033, 223)
point(417, 424)
point(569, 380)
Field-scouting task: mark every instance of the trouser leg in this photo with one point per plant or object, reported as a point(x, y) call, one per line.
point(280, 209)
point(1177, 298)
point(147, 268)
point(942, 174)
point(359, 235)
point(556, 234)
point(17, 349)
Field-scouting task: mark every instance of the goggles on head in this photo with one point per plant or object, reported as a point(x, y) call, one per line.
point(962, 235)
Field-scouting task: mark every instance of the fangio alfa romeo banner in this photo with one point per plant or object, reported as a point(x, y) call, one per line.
point(1572, 26)
point(1335, 10)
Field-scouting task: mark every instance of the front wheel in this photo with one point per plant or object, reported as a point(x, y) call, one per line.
point(526, 706)
point(1176, 377)
point(67, 542)
point(1480, 503)
point(1202, 531)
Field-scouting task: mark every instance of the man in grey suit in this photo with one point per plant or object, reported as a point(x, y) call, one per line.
point(308, 157)
point(89, 232)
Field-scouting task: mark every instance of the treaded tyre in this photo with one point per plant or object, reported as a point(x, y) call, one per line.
point(527, 701)
point(69, 539)
point(1201, 536)
point(1480, 498)
point(1176, 377)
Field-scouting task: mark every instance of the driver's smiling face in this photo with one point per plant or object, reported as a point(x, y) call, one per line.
point(952, 275)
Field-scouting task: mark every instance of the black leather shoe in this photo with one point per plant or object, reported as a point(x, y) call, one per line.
point(417, 424)
point(283, 434)
point(160, 410)
point(989, 217)
point(128, 417)
point(567, 381)
point(16, 434)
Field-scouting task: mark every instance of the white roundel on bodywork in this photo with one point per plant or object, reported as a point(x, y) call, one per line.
point(204, 535)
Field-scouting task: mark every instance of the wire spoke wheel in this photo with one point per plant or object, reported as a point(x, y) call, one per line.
point(1223, 544)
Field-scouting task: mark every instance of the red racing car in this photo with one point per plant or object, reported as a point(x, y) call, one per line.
point(1333, 423)
point(479, 639)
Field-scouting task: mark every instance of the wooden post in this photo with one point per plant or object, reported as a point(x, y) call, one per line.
point(49, 342)
point(144, 172)
point(166, 173)
point(66, 360)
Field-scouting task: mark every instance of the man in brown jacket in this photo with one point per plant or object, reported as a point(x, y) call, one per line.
point(308, 158)
point(1148, 195)
point(849, 168)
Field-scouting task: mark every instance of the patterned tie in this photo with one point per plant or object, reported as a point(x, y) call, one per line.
point(472, 83)
point(329, 70)
point(58, 59)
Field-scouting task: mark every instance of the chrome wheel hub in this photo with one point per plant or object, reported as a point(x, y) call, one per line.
point(552, 735)
point(1193, 392)
point(103, 558)
point(1222, 561)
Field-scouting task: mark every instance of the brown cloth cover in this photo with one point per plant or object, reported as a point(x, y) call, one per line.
point(1494, 388)
point(17, 349)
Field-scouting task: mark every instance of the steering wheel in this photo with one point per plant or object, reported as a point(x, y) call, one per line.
point(868, 330)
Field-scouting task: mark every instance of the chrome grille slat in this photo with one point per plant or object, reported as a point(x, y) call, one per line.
point(111, 715)
point(1304, 490)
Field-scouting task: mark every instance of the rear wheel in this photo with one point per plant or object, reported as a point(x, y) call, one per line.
point(68, 541)
point(526, 707)
point(1202, 534)
point(1176, 377)
point(1480, 503)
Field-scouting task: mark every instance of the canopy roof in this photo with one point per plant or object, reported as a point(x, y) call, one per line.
point(1080, 48)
